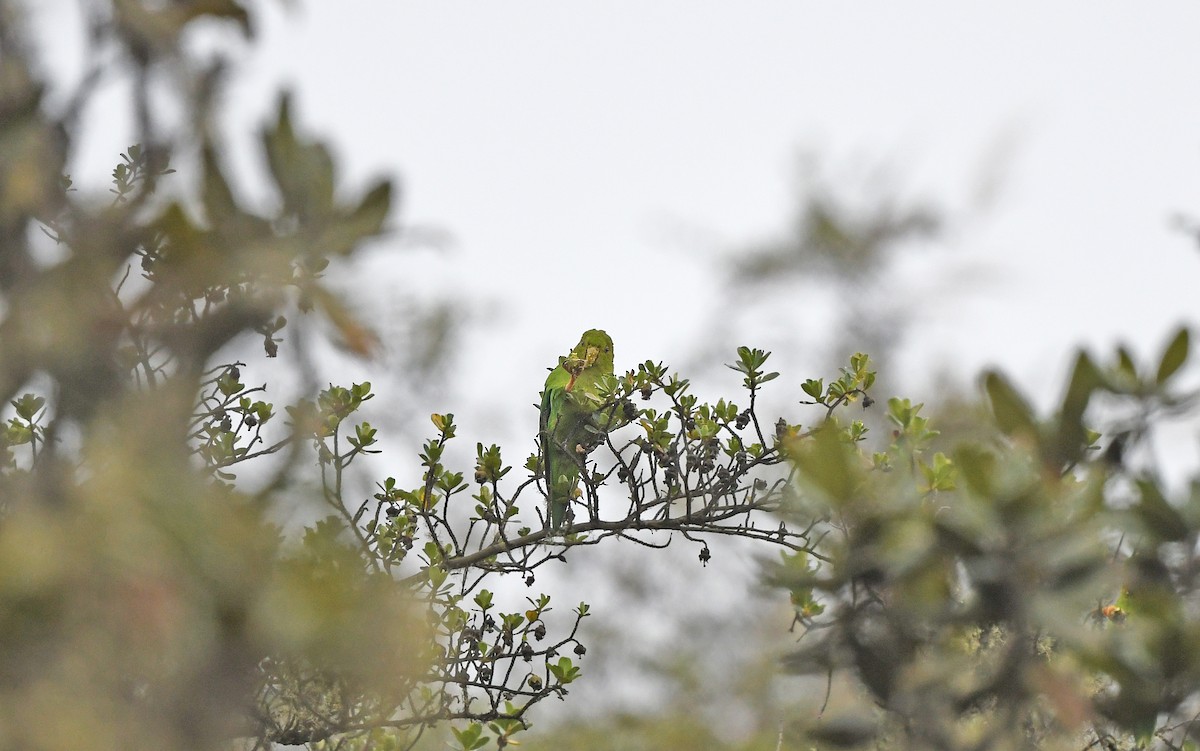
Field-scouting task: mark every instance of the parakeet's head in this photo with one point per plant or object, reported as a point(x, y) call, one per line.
point(595, 348)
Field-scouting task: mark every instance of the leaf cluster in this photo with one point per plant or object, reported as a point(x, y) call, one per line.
point(1035, 588)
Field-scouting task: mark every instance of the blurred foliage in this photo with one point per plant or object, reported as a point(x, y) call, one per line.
point(849, 241)
point(665, 729)
point(828, 281)
point(1033, 586)
point(146, 601)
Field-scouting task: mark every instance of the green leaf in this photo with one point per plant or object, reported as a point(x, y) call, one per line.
point(1013, 414)
point(471, 737)
point(828, 462)
point(364, 221)
point(17, 433)
point(303, 171)
point(1126, 367)
point(563, 670)
point(1072, 435)
point(1159, 516)
point(939, 475)
point(978, 468)
point(28, 406)
point(813, 387)
point(1174, 356)
point(219, 204)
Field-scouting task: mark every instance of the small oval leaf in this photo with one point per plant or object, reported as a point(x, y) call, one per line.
point(1013, 413)
point(1174, 356)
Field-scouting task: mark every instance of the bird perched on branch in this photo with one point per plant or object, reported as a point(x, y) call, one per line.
point(571, 419)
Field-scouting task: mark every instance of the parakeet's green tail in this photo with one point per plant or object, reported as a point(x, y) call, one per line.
point(562, 480)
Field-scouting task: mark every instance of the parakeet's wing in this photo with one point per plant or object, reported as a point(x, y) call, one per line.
point(559, 472)
point(552, 400)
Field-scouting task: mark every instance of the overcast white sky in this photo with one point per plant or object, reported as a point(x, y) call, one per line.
point(588, 157)
point(592, 159)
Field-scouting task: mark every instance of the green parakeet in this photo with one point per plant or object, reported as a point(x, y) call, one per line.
point(569, 408)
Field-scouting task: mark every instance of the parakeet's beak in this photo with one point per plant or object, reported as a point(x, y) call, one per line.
point(590, 357)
